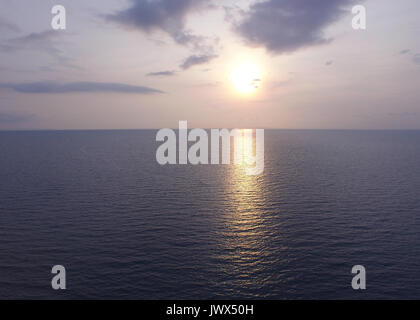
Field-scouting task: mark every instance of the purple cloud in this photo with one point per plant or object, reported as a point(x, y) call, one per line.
point(284, 26)
point(77, 87)
point(196, 60)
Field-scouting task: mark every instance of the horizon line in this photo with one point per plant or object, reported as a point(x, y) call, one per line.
point(154, 129)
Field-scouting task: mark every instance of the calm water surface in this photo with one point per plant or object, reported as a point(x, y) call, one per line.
point(126, 228)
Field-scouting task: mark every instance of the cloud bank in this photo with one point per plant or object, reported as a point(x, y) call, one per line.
point(284, 26)
point(77, 87)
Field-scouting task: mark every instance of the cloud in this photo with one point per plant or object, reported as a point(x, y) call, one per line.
point(233, 12)
point(14, 117)
point(32, 40)
point(165, 15)
point(170, 17)
point(284, 26)
point(405, 51)
point(329, 63)
point(196, 60)
point(161, 74)
point(46, 41)
point(77, 87)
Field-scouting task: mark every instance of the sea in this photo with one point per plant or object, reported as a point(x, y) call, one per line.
point(125, 227)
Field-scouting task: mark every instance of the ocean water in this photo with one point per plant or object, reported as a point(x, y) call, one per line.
point(125, 227)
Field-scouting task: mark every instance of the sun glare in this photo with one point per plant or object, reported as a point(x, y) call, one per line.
point(246, 78)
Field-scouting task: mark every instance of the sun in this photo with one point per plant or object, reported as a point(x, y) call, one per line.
point(246, 78)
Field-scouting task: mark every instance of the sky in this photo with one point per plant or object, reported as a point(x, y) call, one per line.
point(134, 64)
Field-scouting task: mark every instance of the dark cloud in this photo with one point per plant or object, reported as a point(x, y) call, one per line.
point(157, 14)
point(284, 26)
point(161, 74)
point(170, 17)
point(165, 15)
point(196, 60)
point(77, 87)
point(405, 51)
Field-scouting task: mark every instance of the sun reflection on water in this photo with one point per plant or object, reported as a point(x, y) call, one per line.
point(244, 233)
